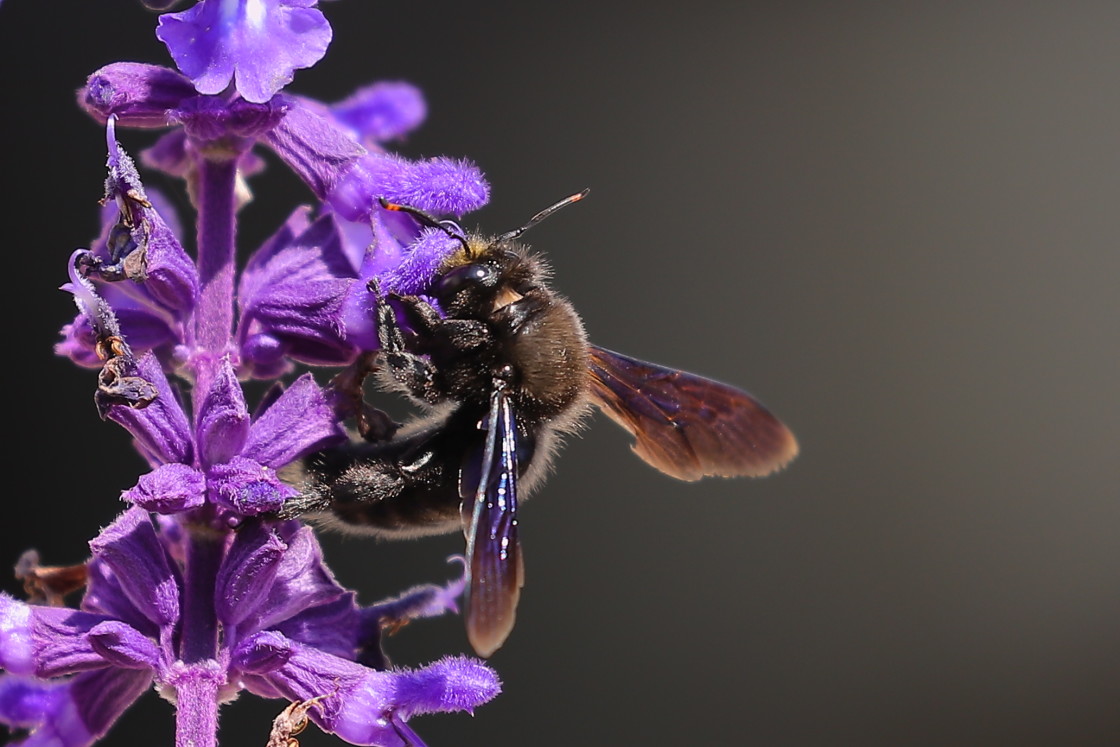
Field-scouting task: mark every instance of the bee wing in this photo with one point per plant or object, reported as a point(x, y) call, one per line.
point(688, 426)
point(494, 565)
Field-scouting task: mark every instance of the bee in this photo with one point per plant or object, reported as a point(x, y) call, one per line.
point(506, 365)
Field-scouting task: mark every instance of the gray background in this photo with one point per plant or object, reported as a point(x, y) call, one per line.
point(894, 222)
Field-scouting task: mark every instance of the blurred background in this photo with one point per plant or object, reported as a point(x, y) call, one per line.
point(895, 223)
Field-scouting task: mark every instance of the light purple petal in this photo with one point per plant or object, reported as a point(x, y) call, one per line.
point(162, 427)
point(223, 420)
point(299, 422)
point(131, 548)
point(258, 43)
point(248, 487)
point(169, 489)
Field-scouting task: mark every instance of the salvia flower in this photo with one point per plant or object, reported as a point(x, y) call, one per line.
point(197, 589)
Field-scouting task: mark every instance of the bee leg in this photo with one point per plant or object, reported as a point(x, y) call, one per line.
point(460, 334)
point(349, 401)
point(415, 373)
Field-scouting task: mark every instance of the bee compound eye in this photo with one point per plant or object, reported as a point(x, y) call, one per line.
point(463, 277)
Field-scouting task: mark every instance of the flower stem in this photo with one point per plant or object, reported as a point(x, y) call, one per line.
point(196, 704)
point(205, 549)
point(216, 204)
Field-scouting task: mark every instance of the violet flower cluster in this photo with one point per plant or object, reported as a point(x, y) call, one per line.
point(194, 589)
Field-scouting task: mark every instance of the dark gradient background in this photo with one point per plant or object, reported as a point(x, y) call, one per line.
point(895, 222)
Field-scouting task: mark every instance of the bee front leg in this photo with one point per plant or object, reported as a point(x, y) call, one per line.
point(461, 335)
point(418, 375)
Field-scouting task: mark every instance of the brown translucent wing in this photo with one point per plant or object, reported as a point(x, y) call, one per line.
point(688, 426)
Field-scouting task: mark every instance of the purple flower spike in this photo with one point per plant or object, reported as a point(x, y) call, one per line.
point(198, 589)
point(259, 44)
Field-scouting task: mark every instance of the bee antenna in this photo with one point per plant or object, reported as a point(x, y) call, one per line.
point(541, 216)
point(449, 227)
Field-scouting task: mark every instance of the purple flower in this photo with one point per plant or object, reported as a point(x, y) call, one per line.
point(288, 630)
point(258, 44)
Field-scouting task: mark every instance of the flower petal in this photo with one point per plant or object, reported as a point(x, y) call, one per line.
point(260, 43)
point(247, 572)
point(316, 148)
point(438, 185)
point(248, 487)
point(161, 428)
point(299, 422)
point(131, 548)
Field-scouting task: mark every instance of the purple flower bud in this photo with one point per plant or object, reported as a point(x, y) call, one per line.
point(262, 653)
point(247, 573)
point(161, 429)
point(169, 489)
point(382, 112)
point(124, 646)
point(139, 95)
point(131, 548)
point(438, 185)
point(248, 487)
point(223, 419)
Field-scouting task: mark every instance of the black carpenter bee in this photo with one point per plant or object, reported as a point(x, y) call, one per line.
point(510, 371)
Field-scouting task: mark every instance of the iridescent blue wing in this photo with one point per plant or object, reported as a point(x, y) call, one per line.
point(688, 426)
point(494, 565)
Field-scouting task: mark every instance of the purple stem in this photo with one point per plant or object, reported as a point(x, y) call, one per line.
point(205, 549)
point(216, 231)
point(196, 711)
